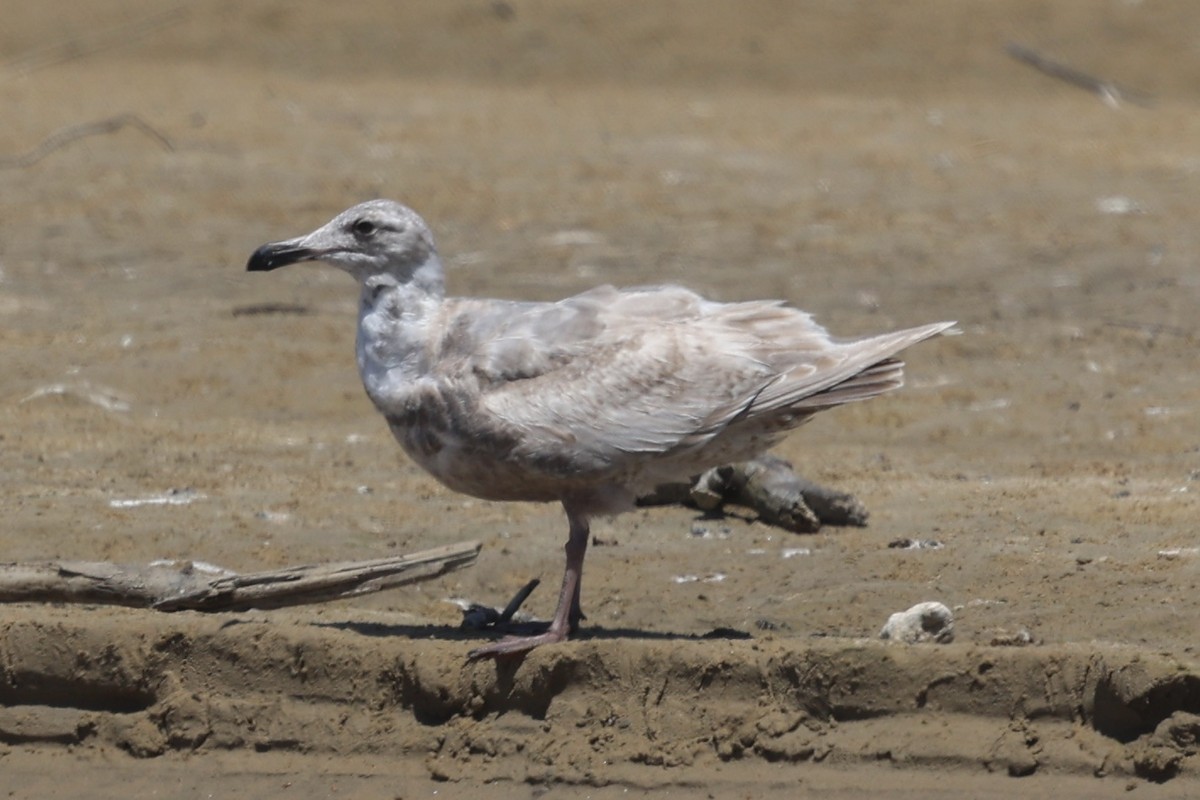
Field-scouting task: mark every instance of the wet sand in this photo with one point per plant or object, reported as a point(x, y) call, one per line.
point(880, 166)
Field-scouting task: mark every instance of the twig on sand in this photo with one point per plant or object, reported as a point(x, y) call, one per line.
point(180, 585)
point(64, 136)
point(1152, 329)
point(477, 617)
point(768, 486)
point(262, 309)
point(99, 396)
point(1111, 93)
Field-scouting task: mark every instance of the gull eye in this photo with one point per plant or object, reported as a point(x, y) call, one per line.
point(364, 228)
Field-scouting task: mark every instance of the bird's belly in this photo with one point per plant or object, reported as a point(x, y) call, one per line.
point(477, 468)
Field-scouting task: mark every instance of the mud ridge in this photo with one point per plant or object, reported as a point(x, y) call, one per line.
point(598, 711)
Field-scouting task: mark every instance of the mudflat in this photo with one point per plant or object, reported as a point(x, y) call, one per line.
point(879, 165)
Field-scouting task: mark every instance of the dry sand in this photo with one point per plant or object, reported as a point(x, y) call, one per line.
point(878, 164)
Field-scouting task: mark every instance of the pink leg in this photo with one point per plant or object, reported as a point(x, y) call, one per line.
point(567, 615)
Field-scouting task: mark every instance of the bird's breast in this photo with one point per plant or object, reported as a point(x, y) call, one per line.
point(466, 455)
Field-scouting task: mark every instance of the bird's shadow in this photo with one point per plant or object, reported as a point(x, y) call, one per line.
point(457, 634)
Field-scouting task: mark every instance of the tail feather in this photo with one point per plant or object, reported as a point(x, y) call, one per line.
point(864, 369)
point(873, 381)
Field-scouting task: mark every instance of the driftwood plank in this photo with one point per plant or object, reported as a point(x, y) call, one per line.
point(179, 585)
point(768, 486)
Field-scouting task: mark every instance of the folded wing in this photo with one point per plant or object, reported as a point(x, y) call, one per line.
point(659, 370)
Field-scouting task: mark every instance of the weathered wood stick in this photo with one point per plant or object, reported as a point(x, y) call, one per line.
point(178, 585)
point(477, 617)
point(64, 136)
point(1111, 93)
point(768, 486)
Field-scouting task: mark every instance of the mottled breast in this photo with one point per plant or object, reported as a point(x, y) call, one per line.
point(443, 429)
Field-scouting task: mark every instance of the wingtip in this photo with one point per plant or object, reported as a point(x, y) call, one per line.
point(948, 328)
point(923, 332)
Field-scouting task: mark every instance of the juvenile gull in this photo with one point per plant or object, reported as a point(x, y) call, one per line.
point(590, 401)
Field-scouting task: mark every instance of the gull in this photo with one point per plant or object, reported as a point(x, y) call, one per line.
point(590, 401)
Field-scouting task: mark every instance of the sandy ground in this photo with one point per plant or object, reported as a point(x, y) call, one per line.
point(881, 165)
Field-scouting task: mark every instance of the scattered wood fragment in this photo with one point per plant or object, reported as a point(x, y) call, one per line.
point(477, 617)
point(1111, 93)
point(263, 309)
point(99, 396)
point(1151, 329)
point(180, 585)
point(64, 136)
point(768, 486)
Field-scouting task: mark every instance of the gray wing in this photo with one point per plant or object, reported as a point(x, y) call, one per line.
point(656, 370)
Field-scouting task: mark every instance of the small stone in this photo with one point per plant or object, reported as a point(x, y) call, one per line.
point(1022, 638)
point(924, 622)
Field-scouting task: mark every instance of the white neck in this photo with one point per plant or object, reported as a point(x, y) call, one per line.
point(394, 318)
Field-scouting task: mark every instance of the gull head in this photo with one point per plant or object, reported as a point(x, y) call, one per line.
point(379, 237)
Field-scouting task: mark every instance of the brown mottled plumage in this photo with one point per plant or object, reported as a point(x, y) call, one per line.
point(589, 401)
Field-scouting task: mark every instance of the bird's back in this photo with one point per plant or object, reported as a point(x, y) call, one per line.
point(625, 387)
